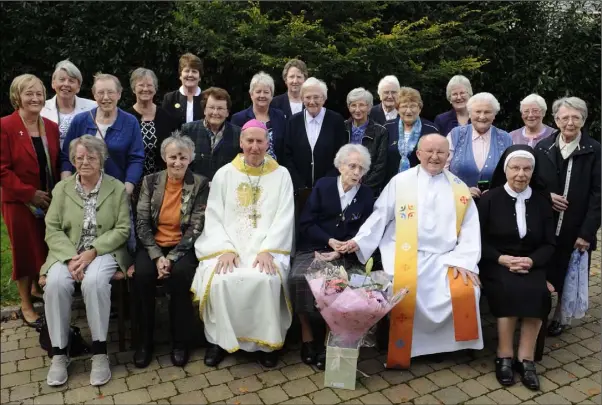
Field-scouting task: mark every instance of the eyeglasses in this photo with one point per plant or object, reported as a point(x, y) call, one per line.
point(460, 94)
point(433, 152)
point(109, 93)
point(145, 86)
point(576, 119)
point(533, 111)
point(219, 110)
point(356, 106)
point(82, 159)
point(412, 106)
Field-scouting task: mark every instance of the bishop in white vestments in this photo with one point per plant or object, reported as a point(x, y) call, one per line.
point(244, 253)
point(427, 228)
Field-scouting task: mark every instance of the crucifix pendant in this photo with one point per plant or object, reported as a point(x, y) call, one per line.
point(254, 217)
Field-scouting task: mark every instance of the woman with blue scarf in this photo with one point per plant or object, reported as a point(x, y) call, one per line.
point(404, 132)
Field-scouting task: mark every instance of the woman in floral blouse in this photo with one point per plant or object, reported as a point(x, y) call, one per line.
point(170, 217)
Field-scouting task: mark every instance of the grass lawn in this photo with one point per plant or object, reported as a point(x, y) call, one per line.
point(8, 292)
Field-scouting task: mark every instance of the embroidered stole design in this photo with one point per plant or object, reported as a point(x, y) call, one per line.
point(406, 273)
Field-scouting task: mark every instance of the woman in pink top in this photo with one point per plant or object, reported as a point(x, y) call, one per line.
point(532, 109)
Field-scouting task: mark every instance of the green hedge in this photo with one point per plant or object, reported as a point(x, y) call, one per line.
point(507, 48)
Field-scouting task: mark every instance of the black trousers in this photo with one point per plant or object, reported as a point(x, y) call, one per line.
point(177, 285)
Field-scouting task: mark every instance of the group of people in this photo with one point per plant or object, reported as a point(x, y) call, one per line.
point(231, 213)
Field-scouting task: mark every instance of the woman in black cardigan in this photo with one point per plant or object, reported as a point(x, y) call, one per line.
point(156, 124)
point(333, 214)
point(309, 152)
point(185, 103)
point(517, 240)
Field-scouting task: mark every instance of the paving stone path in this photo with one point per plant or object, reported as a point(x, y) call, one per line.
point(569, 373)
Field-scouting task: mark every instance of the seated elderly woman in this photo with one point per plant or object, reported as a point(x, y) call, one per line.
point(333, 213)
point(87, 226)
point(517, 233)
point(532, 110)
point(475, 149)
point(261, 91)
point(388, 92)
point(405, 131)
point(458, 92)
point(363, 131)
point(170, 218)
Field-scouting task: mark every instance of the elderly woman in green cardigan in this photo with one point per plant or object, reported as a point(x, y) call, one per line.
point(87, 226)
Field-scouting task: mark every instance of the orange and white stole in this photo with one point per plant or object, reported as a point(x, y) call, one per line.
point(406, 273)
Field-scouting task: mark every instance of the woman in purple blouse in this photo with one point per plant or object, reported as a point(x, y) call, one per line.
point(458, 92)
point(532, 110)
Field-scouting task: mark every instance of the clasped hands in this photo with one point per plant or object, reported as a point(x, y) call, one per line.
point(163, 267)
point(520, 265)
point(228, 261)
point(339, 248)
point(78, 264)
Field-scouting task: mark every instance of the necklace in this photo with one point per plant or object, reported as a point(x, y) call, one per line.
point(254, 216)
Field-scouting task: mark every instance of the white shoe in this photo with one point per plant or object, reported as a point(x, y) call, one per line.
point(101, 370)
point(57, 374)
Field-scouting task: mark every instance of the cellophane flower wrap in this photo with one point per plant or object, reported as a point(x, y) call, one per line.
point(351, 306)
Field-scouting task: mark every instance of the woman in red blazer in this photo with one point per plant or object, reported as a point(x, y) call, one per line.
point(29, 168)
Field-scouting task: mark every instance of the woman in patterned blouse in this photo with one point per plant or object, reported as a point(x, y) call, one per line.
point(156, 124)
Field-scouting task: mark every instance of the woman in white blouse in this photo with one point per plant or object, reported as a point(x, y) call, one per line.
point(66, 82)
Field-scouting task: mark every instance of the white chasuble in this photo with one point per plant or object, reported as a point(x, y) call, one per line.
point(249, 210)
point(440, 246)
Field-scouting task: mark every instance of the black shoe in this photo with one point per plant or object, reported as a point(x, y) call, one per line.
point(555, 328)
point(179, 357)
point(308, 353)
point(528, 374)
point(503, 371)
point(214, 355)
point(269, 359)
point(143, 356)
point(321, 359)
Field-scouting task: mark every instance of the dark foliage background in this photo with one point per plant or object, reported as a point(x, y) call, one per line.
point(507, 48)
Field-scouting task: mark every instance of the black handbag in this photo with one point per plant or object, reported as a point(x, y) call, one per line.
point(77, 345)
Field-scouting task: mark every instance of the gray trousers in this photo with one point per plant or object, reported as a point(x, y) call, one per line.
point(96, 291)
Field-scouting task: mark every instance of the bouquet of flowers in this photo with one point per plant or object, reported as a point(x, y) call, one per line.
point(351, 305)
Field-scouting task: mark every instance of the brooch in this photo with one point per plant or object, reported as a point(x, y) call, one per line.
point(177, 105)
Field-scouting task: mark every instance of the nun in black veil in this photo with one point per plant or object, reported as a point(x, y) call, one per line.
point(517, 239)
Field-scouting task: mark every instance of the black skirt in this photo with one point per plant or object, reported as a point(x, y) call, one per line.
point(300, 293)
point(515, 295)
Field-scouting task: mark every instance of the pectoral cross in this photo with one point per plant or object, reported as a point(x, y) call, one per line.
point(254, 217)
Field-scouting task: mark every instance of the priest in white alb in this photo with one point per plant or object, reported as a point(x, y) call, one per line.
point(244, 253)
point(427, 228)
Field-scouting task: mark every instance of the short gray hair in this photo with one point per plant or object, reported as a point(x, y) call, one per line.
point(360, 94)
point(484, 97)
point(93, 145)
point(346, 150)
point(69, 68)
point(262, 78)
point(180, 141)
point(105, 76)
point(140, 74)
point(390, 79)
point(458, 80)
point(314, 82)
point(535, 99)
point(571, 102)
